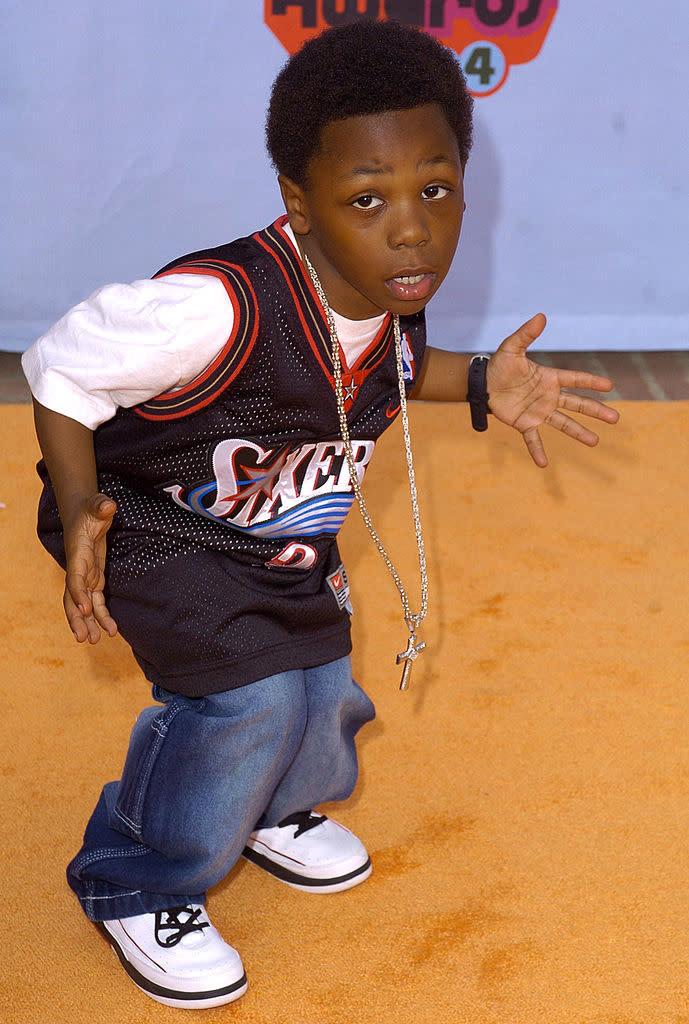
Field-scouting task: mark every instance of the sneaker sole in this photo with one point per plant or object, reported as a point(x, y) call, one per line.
point(171, 996)
point(305, 882)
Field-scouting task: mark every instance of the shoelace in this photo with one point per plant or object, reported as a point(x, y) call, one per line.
point(305, 820)
point(178, 929)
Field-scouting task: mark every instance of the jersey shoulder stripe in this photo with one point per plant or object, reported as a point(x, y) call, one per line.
point(228, 363)
point(309, 310)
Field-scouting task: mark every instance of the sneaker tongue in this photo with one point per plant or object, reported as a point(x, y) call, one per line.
point(192, 939)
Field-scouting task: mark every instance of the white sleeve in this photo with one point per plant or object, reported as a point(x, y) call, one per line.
point(127, 343)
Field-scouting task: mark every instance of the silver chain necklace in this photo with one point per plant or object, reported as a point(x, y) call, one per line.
point(412, 620)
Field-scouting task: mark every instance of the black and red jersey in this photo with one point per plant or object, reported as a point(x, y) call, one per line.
point(223, 564)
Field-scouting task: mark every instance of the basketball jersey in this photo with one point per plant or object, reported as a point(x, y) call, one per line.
point(223, 564)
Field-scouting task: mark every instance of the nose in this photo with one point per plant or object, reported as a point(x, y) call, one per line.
point(408, 227)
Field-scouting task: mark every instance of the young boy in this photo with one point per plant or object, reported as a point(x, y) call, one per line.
point(194, 420)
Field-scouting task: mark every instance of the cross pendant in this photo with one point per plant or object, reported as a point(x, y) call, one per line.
point(408, 657)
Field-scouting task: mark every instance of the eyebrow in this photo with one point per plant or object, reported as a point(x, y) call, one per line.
point(386, 169)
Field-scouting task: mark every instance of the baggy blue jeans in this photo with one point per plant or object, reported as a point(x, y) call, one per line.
point(201, 775)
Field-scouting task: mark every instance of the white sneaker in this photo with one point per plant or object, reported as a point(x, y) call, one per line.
point(177, 957)
point(310, 852)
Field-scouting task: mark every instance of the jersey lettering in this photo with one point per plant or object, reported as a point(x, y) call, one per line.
point(277, 492)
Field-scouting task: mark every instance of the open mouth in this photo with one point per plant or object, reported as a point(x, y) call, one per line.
point(411, 287)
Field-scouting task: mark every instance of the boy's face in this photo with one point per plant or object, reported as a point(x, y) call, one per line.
point(381, 215)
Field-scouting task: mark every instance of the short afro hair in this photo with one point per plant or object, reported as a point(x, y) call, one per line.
point(365, 67)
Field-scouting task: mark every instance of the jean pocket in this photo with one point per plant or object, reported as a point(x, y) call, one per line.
point(148, 738)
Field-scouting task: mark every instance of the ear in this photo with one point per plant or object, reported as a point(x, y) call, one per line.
point(294, 198)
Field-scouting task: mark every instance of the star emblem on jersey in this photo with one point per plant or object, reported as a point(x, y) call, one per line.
point(259, 480)
point(350, 391)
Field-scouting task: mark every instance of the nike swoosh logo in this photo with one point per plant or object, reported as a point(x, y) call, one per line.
point(391, 413)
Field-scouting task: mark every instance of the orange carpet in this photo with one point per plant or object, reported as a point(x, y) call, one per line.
point(526, 803)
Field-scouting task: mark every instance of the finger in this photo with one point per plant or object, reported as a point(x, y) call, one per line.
point(532, 440)
point(84, 627)
point(102, 615)
point(79, 593)
point(583, 381)
point(525, 335)
point(588, 407)
point(572, 428)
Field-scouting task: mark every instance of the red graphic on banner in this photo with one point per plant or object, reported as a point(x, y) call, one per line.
point(489, 36)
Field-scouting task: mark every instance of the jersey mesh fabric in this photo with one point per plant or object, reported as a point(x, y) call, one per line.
point(208, 598)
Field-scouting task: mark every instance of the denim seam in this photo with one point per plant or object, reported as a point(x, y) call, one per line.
point(117, 896)
point(136, 829)
point(84, 860)
point(144, 776)
point(160, 727)
point(88, 900)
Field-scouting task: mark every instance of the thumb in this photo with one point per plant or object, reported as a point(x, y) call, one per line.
point(100, 506)
point(525, 335)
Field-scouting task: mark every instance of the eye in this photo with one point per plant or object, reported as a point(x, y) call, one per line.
point(367, 202)
point(435, 192)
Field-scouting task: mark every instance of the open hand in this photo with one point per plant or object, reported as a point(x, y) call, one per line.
point(525, 395)
point(85, 546)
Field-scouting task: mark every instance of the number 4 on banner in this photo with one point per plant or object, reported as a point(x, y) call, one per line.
point(485, 67)
point(516, 32)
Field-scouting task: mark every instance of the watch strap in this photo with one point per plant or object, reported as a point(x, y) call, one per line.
point(477, 392)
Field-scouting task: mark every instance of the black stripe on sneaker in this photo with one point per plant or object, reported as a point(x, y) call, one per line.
point(285, 875)
point(150, 986)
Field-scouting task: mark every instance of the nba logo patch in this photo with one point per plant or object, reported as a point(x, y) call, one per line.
point(337, 581)
point(407, 358)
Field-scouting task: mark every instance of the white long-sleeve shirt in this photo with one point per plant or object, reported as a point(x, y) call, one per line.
point(128, 343)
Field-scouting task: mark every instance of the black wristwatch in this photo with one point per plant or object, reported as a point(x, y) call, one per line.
point(477, 394)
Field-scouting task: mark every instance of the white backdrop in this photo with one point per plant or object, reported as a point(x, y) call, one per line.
point(132, 133)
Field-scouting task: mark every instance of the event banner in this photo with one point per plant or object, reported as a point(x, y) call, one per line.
point(133, 133)
point(488, 37)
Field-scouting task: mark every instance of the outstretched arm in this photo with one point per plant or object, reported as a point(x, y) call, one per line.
point(521, 393)
point(86, 514)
